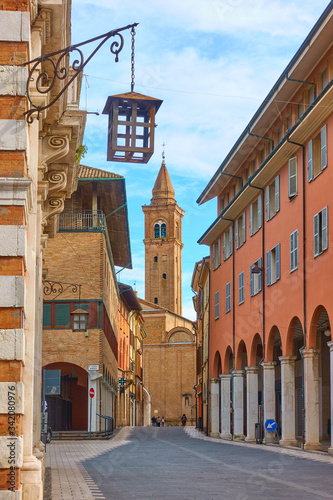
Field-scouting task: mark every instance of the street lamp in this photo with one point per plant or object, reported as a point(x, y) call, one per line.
point(131, 115)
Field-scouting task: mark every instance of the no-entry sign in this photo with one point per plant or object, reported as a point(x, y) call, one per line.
point(92, 392)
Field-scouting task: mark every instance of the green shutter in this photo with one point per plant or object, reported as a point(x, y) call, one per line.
point(46, 315)
point(62, 315)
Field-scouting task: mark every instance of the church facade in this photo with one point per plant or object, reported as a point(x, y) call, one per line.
point(169, 354)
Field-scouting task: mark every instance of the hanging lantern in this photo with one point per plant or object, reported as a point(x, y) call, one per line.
point(131, 127)
point(80, 320)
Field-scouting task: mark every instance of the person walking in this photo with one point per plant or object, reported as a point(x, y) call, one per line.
point(153, 421)
point(162, 421)
point(184, 419)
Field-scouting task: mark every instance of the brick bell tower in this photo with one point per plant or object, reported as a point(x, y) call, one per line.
point(163, 245)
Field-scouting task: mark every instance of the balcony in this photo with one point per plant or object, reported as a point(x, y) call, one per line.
point(84, 221)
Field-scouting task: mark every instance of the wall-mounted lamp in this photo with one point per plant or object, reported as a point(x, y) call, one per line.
point(256, 270)
point(80, 320)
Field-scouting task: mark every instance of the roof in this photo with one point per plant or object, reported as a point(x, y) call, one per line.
point(129, 296)
point(163, 189)
point(312, 49)
point(85, 172)
point(111, 190)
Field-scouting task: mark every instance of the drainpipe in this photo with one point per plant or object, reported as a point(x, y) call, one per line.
point(233, 317)
point(304, 284)
point(208, 347)
point(263, 285)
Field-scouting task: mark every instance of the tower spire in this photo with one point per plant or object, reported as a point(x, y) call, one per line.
point(163, 191)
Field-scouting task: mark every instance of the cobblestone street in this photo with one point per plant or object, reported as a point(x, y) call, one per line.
point(170, 464)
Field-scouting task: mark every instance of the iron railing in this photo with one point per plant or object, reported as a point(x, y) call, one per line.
point(108, 424)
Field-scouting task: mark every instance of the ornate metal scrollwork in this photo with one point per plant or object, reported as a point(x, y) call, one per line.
point(58, 287)
point(59, 71)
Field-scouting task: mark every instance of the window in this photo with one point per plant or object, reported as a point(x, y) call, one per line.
point(62, 315)
point(273, 267)
point(155, 300)
point(46, 315)
point(216, 254)
point(227, 244)
point(292, 177)
point(241, 287)
point(217, 305)
point(255, 278)
point(228, 297)
point(155, 258)
point(300, 108)
point(273, 198)
point(279, 133)
point(317, 154)
point(255, 216)
point(294, 251)
point(221, 204)
point(288, 122)
point(261, 156)
point(164, 276)
point(324, 78)
point(320, 232)
point(311, 95)
point(240, 230)
point(160, 230)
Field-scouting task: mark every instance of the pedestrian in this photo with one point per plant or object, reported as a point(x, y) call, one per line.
point(162, 421)
point(153, 421)
point(184, 418)
point(158, 421)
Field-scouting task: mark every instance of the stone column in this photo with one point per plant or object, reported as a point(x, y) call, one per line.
point(251, 401)
point(311, 397)
point(238, 399)
point(288, 400)
point(269, 390)
point(225, 406)
point(330, 345)
point(214, 407)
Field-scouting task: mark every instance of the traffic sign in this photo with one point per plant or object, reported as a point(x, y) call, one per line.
point(92, 392)
point(271, 425)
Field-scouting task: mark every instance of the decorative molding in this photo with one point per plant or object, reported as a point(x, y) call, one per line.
point(54, 148)
point(53, 206)
point(57, 180)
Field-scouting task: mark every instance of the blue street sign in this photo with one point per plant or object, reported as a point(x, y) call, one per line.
point(271, 425)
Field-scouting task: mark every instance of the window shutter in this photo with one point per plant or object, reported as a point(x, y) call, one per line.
point(217, 307)
point(259, 212)
point(244, 227)
point(323, 141)
point(214, 256)
point(292, 177)
point(277, 262)
point(218, 252)
point(259, 275)
point(224, 245)
point(230, 241)
point(310, 164)
point(292, 259)
point(251, 281)
point(62, 315)
point(241, 287)
point(324, 229)
point(251, 219)
point(237, 234)
point(277, 193)
point(227, 293)
point(316, 234)
point(296, 248)
point(267, 203)
point(268, 268)
point(46, 315)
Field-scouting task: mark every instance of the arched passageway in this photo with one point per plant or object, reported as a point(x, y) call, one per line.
point(68, 410)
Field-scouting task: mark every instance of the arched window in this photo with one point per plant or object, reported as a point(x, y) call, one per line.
point(155, 300)
point(187, 401)
point(155, 258)
point(160, 229)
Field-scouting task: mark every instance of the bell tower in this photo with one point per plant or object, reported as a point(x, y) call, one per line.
point(163, 245)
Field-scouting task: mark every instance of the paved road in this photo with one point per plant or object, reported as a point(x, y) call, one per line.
point(168, 464)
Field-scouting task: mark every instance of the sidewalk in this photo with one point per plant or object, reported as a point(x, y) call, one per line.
point(318, 456)
point(70, 480)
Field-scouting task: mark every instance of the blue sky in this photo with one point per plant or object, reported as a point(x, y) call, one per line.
point(212, 62)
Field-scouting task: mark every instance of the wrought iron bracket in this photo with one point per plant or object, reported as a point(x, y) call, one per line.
point(56, 60)
point(59, 287)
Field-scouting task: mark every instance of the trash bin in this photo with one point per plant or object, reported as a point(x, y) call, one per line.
point(258, 433)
